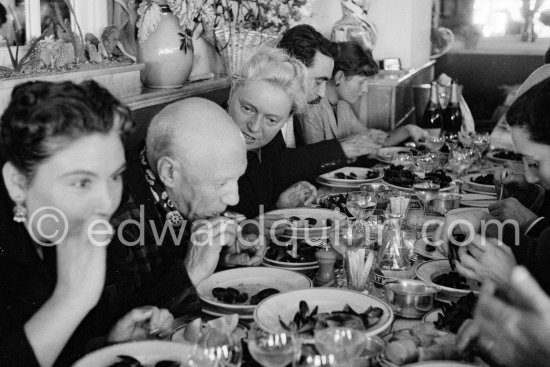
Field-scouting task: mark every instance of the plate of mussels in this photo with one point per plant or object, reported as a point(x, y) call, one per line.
point(311, 309)
point(452, 285)
point(308, 222)
point(240, 290)
point(351, 176)
point(289, 256)
point(403, 179)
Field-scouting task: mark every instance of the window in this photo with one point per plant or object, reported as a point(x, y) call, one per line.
point(497, 18)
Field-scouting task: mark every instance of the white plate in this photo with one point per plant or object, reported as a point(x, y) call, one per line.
point(219, 313)
point(477, 200)
point(341, 186)
point(299, 269)
point(431, 269)
point(319, 230)
point(432, 316)
point(451, 186)
point(384, 154)
point(250, 280)
point(476, 186)
point(147, 352)
point(420, 249)
point(286, 305)
point(359, 171)
point(465, 210)
point(491, 157)
point(440, 364)
point(282, 264)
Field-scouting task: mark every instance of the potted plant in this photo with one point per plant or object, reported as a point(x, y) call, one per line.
point(60, 54)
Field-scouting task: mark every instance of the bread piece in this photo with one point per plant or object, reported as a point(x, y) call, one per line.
point(402, 351)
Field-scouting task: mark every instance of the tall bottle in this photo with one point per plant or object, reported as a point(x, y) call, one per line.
point(433, 117)
point(452, 117)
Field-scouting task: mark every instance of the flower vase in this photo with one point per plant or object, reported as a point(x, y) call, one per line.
point(206, 59)
point(167, 64)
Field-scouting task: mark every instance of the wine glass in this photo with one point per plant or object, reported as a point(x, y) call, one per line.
point(426, 190)
point(481, 145)
point(451, 139)
point(435, 143)
point(276, 349)
point(404, 159)
point(460, 160)
point(225, 349)
point(361, 203)
point(427, 162)
point(345, 344)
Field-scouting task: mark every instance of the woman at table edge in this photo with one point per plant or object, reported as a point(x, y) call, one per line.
point(62, 158)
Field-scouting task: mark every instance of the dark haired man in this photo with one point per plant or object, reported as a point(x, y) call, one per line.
point(315, 51)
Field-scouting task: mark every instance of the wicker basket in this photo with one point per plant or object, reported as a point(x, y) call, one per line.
point(237, 45)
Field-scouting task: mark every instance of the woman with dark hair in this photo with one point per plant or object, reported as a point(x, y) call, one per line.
point(62, 158)
point(334, 117)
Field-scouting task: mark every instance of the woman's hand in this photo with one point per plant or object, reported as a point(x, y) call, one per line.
point(378, 136)
point(81, 266)
point(142, 323)
point(300, 194)
point(358, 144)
point(416, 133)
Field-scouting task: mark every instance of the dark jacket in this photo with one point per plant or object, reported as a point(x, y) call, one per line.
point(280, 167)
point(27, 282)
point(534, 254)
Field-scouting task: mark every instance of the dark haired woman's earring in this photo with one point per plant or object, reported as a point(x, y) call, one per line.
point(19, 212)
point(337, 84)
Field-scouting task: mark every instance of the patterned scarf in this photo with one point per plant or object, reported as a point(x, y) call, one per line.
point(164, 205)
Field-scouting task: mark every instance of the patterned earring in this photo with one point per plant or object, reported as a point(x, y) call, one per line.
point(337, 84)
point(19, 212)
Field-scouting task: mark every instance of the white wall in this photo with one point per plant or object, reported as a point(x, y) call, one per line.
point(403, 30)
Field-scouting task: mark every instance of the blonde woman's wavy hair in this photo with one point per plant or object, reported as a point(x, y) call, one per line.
point(276, 67)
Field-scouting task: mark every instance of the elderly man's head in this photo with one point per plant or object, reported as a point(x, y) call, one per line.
point(198, 153)
point(315, 51)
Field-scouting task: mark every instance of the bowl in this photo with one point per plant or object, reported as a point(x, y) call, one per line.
point(444, 201)
point(410, 298)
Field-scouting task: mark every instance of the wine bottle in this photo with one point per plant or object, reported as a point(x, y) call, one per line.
point(433, 117)
point(452, 117)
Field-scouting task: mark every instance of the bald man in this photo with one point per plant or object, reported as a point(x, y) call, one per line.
point(170, 229)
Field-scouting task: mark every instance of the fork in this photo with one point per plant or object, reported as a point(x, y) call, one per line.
point(503, 175)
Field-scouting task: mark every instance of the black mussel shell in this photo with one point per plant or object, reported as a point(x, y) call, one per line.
point(167, 364)
point(311, 221)
point(260, 296)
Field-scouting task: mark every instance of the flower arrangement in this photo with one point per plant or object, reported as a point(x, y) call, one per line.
point(259, 15)
point(262, 15)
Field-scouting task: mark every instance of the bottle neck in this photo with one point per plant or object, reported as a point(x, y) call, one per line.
point(454, 94)
point(433, 94)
